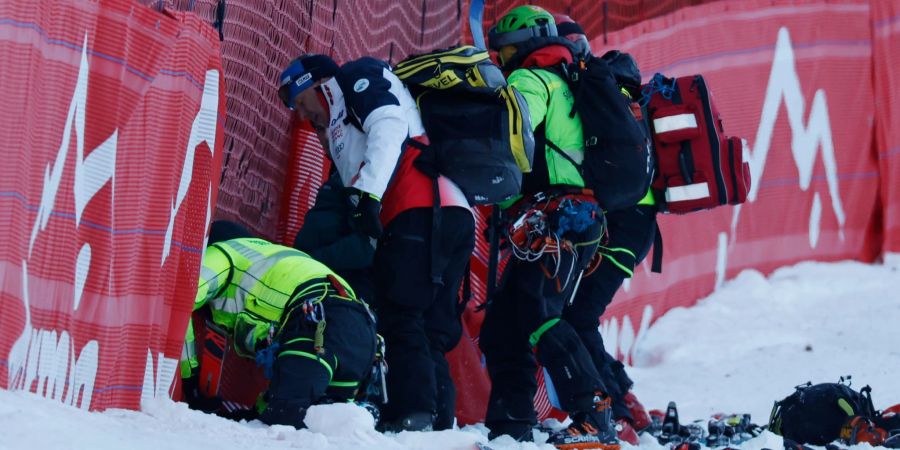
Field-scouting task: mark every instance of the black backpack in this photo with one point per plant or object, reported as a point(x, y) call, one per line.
point(815, 414)
point(618, 158)
point(478, 128)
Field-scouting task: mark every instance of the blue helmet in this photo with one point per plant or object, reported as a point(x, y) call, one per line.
point(301, 74)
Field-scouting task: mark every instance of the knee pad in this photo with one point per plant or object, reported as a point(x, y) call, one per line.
point(570, 366)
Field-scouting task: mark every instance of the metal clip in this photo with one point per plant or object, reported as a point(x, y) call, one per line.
point(380, 368)
point(313, 311)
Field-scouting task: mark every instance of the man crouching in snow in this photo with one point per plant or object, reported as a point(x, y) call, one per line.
point(295, 316)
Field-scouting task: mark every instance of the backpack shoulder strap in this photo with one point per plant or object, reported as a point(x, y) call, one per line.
point(544, 83)
point(547, 140)
point(656, 265)
point(868, 408)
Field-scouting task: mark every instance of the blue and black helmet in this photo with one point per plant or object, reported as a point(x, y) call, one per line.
point(301, 74)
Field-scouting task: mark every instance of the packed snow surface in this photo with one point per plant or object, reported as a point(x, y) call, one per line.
point(737, 351)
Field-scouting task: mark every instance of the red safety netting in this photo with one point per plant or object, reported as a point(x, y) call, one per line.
point(886, 59)
point(597, 18)
point(104, 203)
point(794, 79)
point(264, 184)
point(112, 120)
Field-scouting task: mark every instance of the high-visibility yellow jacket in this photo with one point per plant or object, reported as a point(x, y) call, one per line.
point(248, 283)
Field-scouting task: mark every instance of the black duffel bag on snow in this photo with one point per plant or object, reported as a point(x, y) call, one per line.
point(823, 413)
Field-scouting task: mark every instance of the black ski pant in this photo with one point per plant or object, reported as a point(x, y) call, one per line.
point(526, 314)
point(631, 234)
point(418, 318)
point(303, 377)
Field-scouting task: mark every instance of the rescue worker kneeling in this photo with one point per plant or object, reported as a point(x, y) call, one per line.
point(295, 316)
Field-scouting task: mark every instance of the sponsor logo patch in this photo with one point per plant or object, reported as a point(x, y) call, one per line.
point(360, 85)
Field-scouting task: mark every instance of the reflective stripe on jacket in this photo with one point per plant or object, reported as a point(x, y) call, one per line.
point(247, 283)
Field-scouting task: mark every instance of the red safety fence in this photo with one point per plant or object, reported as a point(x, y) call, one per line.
point(115, 113)
point(112, 121)
point(597, 18)
point(265, 185)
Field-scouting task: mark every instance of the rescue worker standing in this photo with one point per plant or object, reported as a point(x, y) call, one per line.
point(632, 231)
point(295, 316)
point(369, 117)
point(555, 230)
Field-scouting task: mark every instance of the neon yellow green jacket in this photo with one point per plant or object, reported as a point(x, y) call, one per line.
point(550, 101)
point(247, 284)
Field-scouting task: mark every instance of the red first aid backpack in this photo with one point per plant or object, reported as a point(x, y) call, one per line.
point(698, 167)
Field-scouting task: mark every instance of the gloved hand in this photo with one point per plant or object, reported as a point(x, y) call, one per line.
point(195, 399)
point(366, 214)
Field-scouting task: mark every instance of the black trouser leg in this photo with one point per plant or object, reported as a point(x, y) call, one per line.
point(445, 398)
point(527, 312)
point(559, 349)
point(633, 230)
point(303, 376)
point(510, 363)
point(297, 382)
point(350, 335)
point(595, 294)
point(417, 318)
point(442, 320)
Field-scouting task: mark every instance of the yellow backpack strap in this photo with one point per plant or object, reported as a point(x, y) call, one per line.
point(437, 76)
point(516, 128)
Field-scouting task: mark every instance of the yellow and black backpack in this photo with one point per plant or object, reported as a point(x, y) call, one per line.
point(479, 130)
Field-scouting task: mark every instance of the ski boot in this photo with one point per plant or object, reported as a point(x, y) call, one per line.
point(685, 446)
point(671, 427)
point(640, 420)
point(520, 431)
point(667, 429)
point(421, 421)
point(893, 440)
point(626, 432)
point(725, 430)
point(371, 407)
point(859, 429)
point(589, 430)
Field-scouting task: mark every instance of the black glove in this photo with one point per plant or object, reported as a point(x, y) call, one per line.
point(365, 216)
point(195, 399)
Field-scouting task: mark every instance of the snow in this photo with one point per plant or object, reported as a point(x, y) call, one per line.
point(752, 341)
point(737, 351)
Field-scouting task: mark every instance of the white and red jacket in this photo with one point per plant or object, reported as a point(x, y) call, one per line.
point(371, 116)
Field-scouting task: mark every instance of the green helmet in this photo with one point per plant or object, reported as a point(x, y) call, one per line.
point(521, 24)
